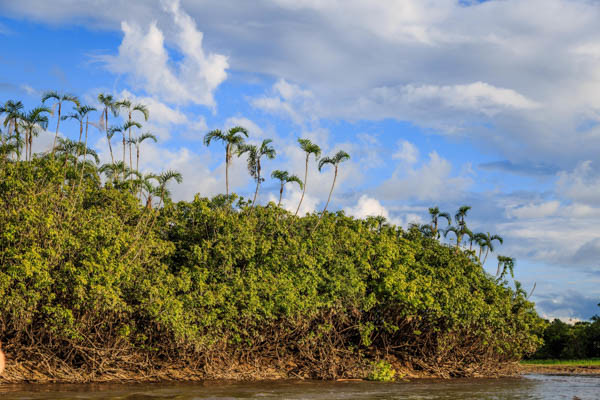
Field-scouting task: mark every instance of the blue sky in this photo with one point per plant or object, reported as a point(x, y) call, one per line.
point(493, 104)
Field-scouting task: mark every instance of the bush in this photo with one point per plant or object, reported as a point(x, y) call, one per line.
point(86, 267)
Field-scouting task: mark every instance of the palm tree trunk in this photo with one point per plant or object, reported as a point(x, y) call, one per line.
point(328, 198)
point(130, 156)
point(487, 251)
point(304, 189)
point(257, 183)
point(227, 170)
point(280, 194)
point(57, 125)
point(30, 146)
point(112, 159)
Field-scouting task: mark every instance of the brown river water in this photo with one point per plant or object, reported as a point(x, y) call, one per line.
point(527, 387)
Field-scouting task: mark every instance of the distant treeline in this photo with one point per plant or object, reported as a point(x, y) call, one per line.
point(571, 341)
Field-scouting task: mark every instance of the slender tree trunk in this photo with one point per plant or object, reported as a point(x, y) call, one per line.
point(130, 156)
point(331, 191)
point(26, 145)
point(280, 194)
point(57, 125)
point(328, 198)
point(304, 189)
point(487, 251)
point(124, 152)
point(227, 170)
point(18, 137)
point(498, 270)
point(112, 159)
point(30, 145)
point(257, 182)
point(137, 164)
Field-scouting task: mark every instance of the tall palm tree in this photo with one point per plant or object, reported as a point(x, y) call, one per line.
point(255, 153)
point(130, 108)
point(80, 115)
point(137, 142)
point(487, 241)
point(71, 150)
point(59, 99)
point(127, 128)
point(338, 158)
point(109, 104)
point(435, 216)
point(161, 190)
point(233, 139)
point(461, 214)
point(459, 231)
point(12, 109)
point(284, 177)
point(31, 123)
point(309, 148)
point(504, 264)
point(114, 171)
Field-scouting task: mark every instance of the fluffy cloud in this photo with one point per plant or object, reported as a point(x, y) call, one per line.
point(432, 181)
point(144, 58)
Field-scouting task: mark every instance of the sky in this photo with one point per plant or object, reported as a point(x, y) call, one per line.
point(493, 104)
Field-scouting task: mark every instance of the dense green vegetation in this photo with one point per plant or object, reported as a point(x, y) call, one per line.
point(101, 270)
point(564, 341)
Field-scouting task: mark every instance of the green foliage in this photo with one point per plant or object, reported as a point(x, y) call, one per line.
point(570, 341)
point(89, 265)
point(382, 372)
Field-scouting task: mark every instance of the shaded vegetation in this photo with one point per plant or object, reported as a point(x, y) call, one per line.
point(563, 341)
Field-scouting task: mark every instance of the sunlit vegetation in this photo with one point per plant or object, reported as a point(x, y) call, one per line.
point(101, 271)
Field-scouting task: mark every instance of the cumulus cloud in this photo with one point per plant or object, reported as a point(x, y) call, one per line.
point(144, 57)
point(432, 181)
point(289, 100)
point(407, 152)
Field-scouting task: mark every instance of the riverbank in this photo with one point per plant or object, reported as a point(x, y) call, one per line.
point(561, 367)
point(51, 370)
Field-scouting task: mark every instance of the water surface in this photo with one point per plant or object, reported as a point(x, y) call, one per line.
point(528, 387)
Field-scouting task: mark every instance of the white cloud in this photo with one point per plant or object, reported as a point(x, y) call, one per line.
point(407, 152)
point(144, 57)
point(290, 101)
point(432, 181)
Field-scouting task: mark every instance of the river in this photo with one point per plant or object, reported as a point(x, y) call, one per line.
point(527, 387)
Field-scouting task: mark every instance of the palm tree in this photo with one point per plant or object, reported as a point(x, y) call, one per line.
point(459, 231)
point(137, 142)
point(233, 139)
point(109, 104)
point(309, 148)
point(31, 124)
point(461, 214)
point(284, 177)
point(114, 170)
point(81, 116)
point(71, 150)
point(435, 216)
point(127, 127)
point(127, 105)
point(338, 158)
point(254, 155)
point(12, 109)
point(161, 190)
point(506, 263)
point(60, 98)
point(487, 241)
